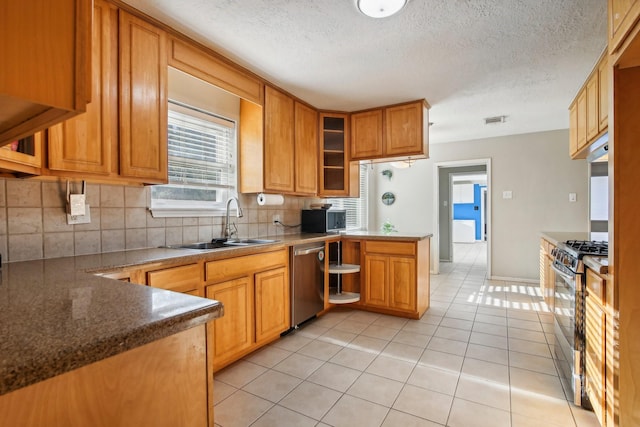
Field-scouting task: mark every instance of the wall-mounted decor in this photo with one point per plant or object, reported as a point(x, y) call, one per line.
point(388, 198)
point(388, 173)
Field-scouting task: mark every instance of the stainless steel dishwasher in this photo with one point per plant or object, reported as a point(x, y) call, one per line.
point(307, 282)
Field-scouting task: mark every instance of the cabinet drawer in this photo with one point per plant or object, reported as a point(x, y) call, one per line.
point(180, 279)
point(393, 248)
point(228, 269)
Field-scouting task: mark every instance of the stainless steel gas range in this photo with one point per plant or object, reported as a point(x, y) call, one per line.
point(569, 313)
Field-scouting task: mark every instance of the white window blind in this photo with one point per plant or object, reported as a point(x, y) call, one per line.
point(202, 164)
point(356, 207)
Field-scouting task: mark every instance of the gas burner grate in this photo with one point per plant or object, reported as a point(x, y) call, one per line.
point(589, 247)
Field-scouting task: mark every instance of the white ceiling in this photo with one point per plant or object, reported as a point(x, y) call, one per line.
point(470, 59)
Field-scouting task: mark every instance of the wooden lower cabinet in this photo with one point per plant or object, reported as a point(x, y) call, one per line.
point(601, 349)
point(272, 316)
point(254, 291)
point(184, 278)
point(160, 384)
point(395, 277)
point(232, 334)
point(595, 356)
point(547, 274)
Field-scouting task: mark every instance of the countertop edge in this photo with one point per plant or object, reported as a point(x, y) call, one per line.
point(97, 350)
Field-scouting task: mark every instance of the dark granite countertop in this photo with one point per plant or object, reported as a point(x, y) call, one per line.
point(57, 315)
point(55, 318)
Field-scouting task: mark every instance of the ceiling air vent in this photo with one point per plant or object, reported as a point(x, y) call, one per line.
point(494, 120)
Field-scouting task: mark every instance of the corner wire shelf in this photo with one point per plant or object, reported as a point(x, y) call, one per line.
point(340, 297)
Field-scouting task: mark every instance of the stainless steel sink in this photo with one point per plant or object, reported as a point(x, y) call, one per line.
point(203, 245)
point(246, 242)
point(217, 244)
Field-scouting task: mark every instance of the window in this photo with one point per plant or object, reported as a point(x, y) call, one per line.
point(202, 164)
point(357, 212)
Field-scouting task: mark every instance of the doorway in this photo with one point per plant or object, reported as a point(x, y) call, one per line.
point(463, 208)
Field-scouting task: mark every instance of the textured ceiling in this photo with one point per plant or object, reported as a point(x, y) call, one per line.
point(470, 59)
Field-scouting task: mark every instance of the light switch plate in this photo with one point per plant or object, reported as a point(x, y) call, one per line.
point(573, 197)
point(80, 219)
point(507, 195)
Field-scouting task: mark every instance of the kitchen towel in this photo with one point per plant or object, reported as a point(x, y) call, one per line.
point(270, 199)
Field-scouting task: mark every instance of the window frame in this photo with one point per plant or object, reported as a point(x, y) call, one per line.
point(198, 208)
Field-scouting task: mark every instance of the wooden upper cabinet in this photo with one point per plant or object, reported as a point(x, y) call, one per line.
point(306, 149)
point(143, 100)
point(582, 119)
point(279, 148)
point(337, 176)
point(603, 93)
point(623, 15)
point(45, 73)
point(406, 129)
point(367, 134)
point(24, 155)
point(573, 129)
point(593, 99)
point(391, 132)
point(88, 142)
point(589, 111)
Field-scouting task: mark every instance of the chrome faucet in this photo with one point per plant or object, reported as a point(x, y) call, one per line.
point(227, 230)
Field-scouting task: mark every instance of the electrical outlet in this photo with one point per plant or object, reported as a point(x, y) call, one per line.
point(80, 219)
point(276, 218)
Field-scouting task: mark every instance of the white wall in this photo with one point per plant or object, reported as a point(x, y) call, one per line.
point(536, 167)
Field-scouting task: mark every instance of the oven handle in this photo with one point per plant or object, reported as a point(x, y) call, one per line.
point(562, 274)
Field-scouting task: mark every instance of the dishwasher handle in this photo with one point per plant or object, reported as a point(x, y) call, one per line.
point(307, 251)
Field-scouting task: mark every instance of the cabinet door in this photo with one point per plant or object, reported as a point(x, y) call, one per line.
point(45, 76)
point(273, 315)
point(603, 92)
point(143, 100)
point(573, 129)
point(366, 135)
point(623, 14)
point(232, 333)
point(306, 150)
point(86, 142)
point(376, 290)
point(581, 121)
point(404, 130)
point(402, 283)
point(593, 115)
point(278, 141)
point(595, 356)
point(24, 155)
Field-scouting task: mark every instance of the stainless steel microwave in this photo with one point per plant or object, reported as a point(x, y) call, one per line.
point(323, 220)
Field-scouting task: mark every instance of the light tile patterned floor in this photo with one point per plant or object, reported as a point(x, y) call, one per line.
point(480, 356)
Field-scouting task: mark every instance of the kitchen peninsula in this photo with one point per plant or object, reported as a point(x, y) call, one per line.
point(79, 349)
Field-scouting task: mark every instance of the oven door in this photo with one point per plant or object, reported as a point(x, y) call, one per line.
point(568, 344)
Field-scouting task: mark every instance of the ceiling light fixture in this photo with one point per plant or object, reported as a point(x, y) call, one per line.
point(380, 8)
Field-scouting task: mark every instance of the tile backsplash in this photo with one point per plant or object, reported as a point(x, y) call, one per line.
point(33, 221)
